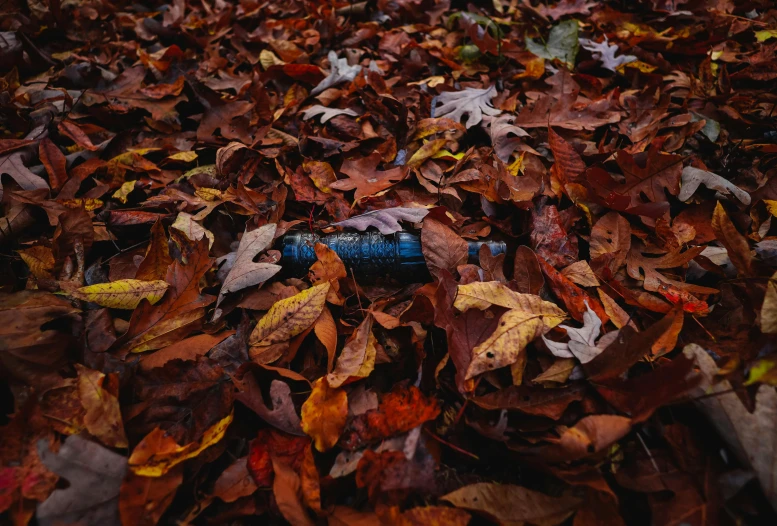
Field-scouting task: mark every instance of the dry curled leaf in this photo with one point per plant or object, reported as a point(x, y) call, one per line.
point(324, 414)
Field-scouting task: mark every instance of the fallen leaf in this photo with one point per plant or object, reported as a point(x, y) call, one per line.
point(340, 72)
point(581, 274)
point(122, 293)
point(244, 272)
point(99, 395)
point(693, 177)
point(443, 249)
point(582, 341)
point(235, 482)
point(324, 414)
point(283, 414)
point(286, 488)
point(736, 244)
point(610, 242)
point(364, 177)
point(605, 52)
point(386, 221)
point(769, 307)
point(54, 161)
point(143, 500)
point(289, 317)
point(357, 359)
point(158, 452)
point(470, 101)
point(562, 43)
point(190, 228)
point(326, 113)
point(95, 475)
point(750, 435)
point(511, 505)
point(13, 165)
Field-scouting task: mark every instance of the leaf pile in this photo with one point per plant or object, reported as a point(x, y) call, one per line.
point(162, 364)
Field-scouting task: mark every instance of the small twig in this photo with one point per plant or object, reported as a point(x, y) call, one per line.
point(452, 446)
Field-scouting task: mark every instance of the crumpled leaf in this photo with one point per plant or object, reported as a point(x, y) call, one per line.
point(605, 53)
point(470, 101)
point(385, 220)
point(122, 293)
point(193, 231)
point(95, 475)
point(513, 505)
point(517, 328)
point(180, 312)
point(582, 341)
point(158, 452)
point(326, 113)
point(562, 43)
point(340, 72)
point(324, 414)
point(290, 317)
point(244, 272)
point(357, 359)
point(693, 177)
point(752, 436)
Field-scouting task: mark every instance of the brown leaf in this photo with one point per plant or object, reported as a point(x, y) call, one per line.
point(443, 249)
point(569, 166)
point(143, 500)
point(95, 475)
point(54, 161)
point(286, 489)
point(100, 397)
point(357, 359)
point(157, 259)
point(736, 244)
point(610, 242)
point(550, 240)
point(532, 400)
point(235, 482)
point(508, 504)
point(527, 272)
point(575, 299)
point(364, 177)
point(179, 313)
point(283, 414)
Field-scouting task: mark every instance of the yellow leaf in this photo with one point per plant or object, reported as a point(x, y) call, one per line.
point(324, 414)
point(157, 453)
point(290, 317)
point(186, 157)
point(99, 396)
point(429, 81)
point(644, 67)
point(125, 190)
point(122, 294)
point(481, 295)
point(88, 204)
point(769, 307)
point(448, 155)
point(194, 231)
point(208, 194)
point(530, 317)
point(267, 59)
point(358, 357)
point(771, 206)
point(40, 261)
point(765, 34)
point(426, 151)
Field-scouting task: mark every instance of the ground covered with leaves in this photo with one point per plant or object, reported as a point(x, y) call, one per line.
point(164, 363)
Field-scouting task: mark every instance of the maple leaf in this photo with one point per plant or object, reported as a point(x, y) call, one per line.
point(364, 177)
point(95, 475)
point(605, 53)
point(13, 165)
point(582, 342)
point(472, 102)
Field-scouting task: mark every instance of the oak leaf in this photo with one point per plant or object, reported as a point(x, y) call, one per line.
point(605, 53)
point(95, 475)
point(326, 113)
point(386, 220)
point(692, 177)
point(470, 101)
point(340, 72)
point(324, 414)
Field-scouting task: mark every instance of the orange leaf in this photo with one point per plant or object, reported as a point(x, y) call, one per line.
point(324, 414)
